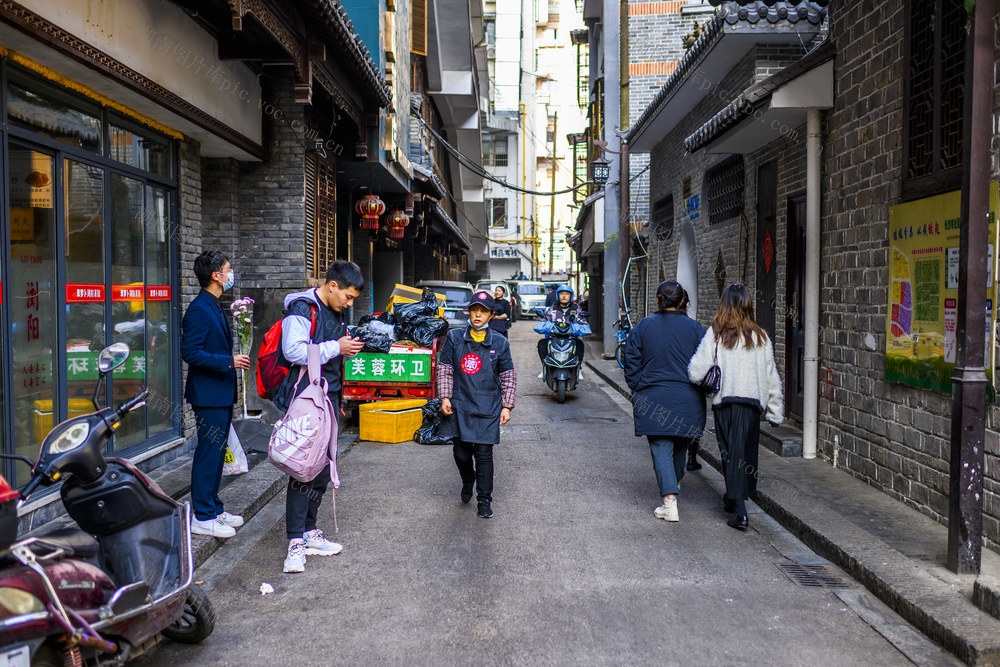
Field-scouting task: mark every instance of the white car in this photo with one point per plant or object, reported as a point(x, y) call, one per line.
point(532, 294)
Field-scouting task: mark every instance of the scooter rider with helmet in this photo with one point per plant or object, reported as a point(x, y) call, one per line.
point(569, 311)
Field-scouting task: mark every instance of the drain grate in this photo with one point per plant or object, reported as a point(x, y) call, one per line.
point(589, 419)
point(811, 576)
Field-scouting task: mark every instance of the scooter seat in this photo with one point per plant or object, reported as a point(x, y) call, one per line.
point(73, 540)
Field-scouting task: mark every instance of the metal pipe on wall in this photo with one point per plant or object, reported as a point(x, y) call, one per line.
point(810, 375)
point(612, 98)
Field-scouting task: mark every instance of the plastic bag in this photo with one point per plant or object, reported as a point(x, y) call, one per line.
point(235, 461)
point(409, 312)
point(382, 328)
point(385, 317)
point(427, 434)
point(423, 330)
point(374, 342)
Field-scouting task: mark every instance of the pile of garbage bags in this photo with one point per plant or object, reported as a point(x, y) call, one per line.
point(427, 434)
point(414, 322)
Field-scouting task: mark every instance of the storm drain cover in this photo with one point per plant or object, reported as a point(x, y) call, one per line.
point(589, 419)
point(811, 576)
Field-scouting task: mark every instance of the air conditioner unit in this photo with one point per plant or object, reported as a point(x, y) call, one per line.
point(491, 52)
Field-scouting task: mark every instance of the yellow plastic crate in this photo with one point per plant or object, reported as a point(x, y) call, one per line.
point(391, 421)
point(43, 414)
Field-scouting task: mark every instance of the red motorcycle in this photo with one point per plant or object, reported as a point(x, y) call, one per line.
point(102, 593)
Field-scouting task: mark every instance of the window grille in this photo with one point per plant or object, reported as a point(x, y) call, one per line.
point(723, 189)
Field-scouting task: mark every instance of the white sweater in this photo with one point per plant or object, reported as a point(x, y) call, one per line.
point(748, 374)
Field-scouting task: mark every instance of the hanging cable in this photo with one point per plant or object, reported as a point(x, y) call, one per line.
point(478, 170)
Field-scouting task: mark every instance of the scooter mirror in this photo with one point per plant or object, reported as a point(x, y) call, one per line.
point(112, 357)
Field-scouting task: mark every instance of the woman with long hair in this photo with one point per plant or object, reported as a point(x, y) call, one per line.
point(667, 408)
point(750, 386)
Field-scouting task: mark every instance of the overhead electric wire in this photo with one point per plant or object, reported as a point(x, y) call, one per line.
point(478, 170)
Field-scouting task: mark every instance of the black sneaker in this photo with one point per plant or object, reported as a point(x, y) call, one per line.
point(485, 512)
point(467, 492)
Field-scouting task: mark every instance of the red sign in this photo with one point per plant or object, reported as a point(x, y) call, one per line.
point(127, 292)
point(471, 364)
point(158, 293)
point(768, 251)
point(84, 293)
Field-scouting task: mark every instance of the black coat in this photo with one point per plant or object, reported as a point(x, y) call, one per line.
point(664, 402)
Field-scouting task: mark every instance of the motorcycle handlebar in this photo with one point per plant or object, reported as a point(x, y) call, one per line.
point(31, 486)
point(137, 401)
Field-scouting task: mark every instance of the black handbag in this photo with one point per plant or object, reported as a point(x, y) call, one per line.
point(712, 382)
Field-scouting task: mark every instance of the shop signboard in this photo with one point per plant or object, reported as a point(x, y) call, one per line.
point(30, 179)
point(921, 322)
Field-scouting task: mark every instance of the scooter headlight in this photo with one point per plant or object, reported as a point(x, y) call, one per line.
point(70, 439)
point(15, 602)
point(561, 356)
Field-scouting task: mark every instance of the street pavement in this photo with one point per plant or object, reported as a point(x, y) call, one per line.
point(573, 568)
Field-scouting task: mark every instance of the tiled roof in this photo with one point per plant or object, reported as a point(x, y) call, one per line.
point(755, 97)
point(730, 13)
point(430, 181)
point(342, 27)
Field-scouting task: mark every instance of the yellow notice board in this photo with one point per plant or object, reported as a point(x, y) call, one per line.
point(920, 342)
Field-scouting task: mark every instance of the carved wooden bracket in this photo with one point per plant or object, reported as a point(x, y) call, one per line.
point(297, 47)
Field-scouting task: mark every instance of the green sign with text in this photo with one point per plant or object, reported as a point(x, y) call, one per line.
point(403, 365)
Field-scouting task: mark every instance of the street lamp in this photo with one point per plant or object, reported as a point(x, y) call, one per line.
point(601, 171)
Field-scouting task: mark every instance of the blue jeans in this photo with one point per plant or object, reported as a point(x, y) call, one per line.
point(669, 460)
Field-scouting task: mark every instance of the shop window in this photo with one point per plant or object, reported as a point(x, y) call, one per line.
point(33, 300)
point(723, 189)
point(498, 212)
point(139, 150)
point(159, 328)
point(934, 87)
point(53, 114)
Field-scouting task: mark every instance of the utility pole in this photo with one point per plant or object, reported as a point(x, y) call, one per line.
point(552, 206)
point(968, 405)
point(612, 110)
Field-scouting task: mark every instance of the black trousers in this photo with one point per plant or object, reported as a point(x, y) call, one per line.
point(737, 428)
point(481, 473)
point(302, 503)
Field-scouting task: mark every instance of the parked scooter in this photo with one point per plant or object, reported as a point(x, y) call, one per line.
point(68, 598)
point(561, 364)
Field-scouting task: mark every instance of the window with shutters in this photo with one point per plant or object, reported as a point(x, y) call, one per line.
point(933, 91)
point(497, 209)
point(418, 42)
point(320, 216)
point(723, 189)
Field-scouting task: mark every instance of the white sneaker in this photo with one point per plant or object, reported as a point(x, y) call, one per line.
point(317, 545)
point(212, 527)
point(296, 560)
point(234, 520)
point(541, 375)
point(668, 510)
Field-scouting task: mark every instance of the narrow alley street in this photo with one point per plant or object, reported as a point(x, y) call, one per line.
point(572, 569)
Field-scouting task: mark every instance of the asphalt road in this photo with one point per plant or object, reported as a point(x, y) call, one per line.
point(573, 568)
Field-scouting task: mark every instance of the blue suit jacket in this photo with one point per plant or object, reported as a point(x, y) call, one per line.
point(207, 347)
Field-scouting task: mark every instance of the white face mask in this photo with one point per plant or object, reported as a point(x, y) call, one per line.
point(485, 325)
point(230, 280)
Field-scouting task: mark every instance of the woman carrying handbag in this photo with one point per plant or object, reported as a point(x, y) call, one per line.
point(749, 386)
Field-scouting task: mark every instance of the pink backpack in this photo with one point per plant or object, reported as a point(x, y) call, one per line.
point(305, 439)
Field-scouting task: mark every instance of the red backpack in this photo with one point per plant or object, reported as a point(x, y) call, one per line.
point(272, 367)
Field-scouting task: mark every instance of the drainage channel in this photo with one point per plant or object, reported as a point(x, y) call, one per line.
point(811, 576)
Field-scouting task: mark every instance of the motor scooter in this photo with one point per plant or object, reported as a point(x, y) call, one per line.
point(102, 593)
point(561, 365)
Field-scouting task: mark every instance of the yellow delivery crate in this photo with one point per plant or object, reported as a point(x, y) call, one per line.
point(406, 294)
point(43, 414)
point(391, 421)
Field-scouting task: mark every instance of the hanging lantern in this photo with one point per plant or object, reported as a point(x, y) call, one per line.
point(397, 223)
point(370, 208)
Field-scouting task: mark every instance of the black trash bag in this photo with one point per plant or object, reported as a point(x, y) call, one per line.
point(407, 313)
point(386, 318)
point(427, 434)
point(423, 331)
point(374, 342)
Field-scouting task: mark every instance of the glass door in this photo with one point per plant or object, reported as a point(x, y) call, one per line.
point(32, 292)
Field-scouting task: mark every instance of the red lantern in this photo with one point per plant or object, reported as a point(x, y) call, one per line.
point(397, 223)
point(370, 208)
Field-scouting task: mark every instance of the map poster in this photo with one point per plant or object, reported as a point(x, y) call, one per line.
point(920, 343)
